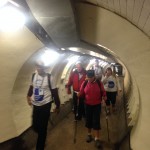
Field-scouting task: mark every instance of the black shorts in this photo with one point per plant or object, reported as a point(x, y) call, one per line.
point(93, 116)
point(111, 98)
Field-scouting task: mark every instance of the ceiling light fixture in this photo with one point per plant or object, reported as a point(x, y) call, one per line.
point(11, 19)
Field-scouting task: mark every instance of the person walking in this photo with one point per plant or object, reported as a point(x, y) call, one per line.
point(40, 95)
point(77, 77)
point(98, 70)
point(112, 87)
point(94, 92)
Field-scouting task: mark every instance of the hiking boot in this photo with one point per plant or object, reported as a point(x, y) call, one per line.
point(89, 139)
point(98, 144)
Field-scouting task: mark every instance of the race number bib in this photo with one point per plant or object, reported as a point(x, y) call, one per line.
point(38, 94)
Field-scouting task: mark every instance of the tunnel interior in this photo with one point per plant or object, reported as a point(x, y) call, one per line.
point(60, 66)
point(41, 33)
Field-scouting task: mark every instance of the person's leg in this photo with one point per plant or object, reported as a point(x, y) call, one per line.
point(88, 123)
point(35, 119)
point(97, 134)
point(96, 124)
point(43, 117)
point(81, 109)
point(108, 103)
point(75, 104)
point(96, 120)
point(113, 101)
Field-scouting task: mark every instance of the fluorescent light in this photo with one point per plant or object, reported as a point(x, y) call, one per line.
point(73, 59)
point(3, 2)
point(63, 49)
point(49, 57)
point(73, 49)
point(11, 19)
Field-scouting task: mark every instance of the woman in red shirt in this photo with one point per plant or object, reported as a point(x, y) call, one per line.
point(93, 91)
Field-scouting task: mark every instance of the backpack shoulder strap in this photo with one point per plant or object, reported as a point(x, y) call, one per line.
point(99, 84)
point(85, 83)
point(33, 76)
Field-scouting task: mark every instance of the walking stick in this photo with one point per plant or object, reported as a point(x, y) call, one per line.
point(107, 124)
point(75, 131)
point(75, 123)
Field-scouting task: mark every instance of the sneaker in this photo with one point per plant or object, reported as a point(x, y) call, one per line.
point(98, 144)
point(89, 139)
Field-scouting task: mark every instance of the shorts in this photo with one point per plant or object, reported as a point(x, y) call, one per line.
point(93, 116)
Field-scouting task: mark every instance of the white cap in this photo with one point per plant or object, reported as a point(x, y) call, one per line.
point(39, 63)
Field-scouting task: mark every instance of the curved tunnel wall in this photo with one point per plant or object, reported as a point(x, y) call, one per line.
point(96, 28)
point(16, 48)
point(99, 26)
point(20, 58)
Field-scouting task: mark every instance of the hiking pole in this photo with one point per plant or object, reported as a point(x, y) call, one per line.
point(51, 121)
point(75, 131)
point(75, 123)
point(107, 124)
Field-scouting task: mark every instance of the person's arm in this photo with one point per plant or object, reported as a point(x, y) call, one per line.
point(29, 95)
point(69, 84)
point(104, 79)
point(81, 92)
point(56, 97)
point(103, 92)
point(118, 85)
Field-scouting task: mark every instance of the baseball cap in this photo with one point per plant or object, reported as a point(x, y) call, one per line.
point(90, 73)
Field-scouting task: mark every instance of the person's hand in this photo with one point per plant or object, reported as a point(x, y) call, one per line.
point(103, 103)
point(56, 110)
point(120, 91)
point(104, 98)
point(68, 91)
point(78, 94)
point(29, 99)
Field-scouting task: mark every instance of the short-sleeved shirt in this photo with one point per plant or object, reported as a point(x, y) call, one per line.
point(111, 84)
point(41, 91)
point(98, 72)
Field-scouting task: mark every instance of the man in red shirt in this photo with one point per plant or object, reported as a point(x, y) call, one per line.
point(93, 92)
point(77, 77)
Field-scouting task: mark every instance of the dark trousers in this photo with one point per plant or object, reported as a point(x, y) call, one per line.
point(40, 121)
point(78, 104)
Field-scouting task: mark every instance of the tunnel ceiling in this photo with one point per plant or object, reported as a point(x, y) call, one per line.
point(57, 18)
point(135, 11)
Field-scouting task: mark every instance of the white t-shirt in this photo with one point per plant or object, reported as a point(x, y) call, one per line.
point(41, 91)
point(98, 72)
point(111, 84)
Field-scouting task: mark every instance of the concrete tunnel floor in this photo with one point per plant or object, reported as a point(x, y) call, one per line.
point(61, 137)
